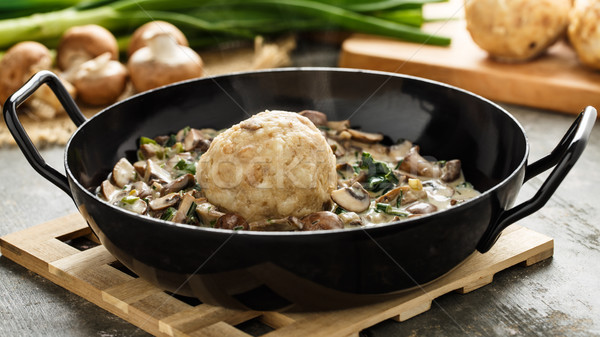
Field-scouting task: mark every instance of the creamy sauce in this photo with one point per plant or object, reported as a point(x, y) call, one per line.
point(440, 194)
point(398, 183)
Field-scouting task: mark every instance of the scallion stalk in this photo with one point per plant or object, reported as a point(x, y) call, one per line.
point(218, 20)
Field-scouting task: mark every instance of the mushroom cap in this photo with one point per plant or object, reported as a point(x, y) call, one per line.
point(19, 63)
point(144, 32)
point(516, 30)
point(354, 198)
point(100, 81)
point(323, 220)
point(163, 62)
point(82, 43)
point(273, 165)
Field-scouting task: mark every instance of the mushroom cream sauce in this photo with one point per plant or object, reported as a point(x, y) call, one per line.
point(377, 183)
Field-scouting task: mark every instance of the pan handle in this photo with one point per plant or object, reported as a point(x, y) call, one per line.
point(20, 135)
point(562, 158)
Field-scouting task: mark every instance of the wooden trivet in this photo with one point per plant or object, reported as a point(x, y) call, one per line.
point(91, 272)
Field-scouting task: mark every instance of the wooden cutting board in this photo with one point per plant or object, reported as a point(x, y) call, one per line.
point(555, 81)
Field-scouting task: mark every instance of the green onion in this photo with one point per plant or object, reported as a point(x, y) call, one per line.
point(129, 199)
point(146, 140)
point(171, 141)
point(399, 199)
point(208, 22)
point(388, 209)
point(191, 216)
point(169, 213)
point(339, 210)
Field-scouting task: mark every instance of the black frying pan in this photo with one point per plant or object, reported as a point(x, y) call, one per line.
point(335, 268)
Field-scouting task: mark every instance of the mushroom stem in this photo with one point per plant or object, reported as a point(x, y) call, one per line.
point(164, 47)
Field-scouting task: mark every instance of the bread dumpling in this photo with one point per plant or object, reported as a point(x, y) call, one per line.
point(584, 32)
point(516, 30)
point(272, 165)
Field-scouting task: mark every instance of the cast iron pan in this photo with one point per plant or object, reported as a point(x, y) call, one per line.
point(325, 269)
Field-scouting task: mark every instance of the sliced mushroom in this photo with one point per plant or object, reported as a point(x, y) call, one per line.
point(232, 221)
point(108, 190)
point(354, 198)
point(183, 182)
point(164, 202)
point(365, 137)
point(323, 220)
point(142, 189)
point(361, 177)
point(151, 150)
point(337, 149)
point(208, 213)
point(415, 164)
point(184, 207)
point(170, 164)
point(134, 204)
point(412, 195)
point(123, 173)
point(393, 194)
point(451, 171)
point(318, 118)
point(421, 208)
point(156, 173)
point(399, 151)
point(345, 170)
point(438, 189)
point(339, 125)
point(290, 223)
point(140, 167)
point(344, 136)
point(350, 219)
point(195, 139)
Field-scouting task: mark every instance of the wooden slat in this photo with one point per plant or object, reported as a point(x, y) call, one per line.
point(89, 274)
point(219, 329)
point(124, 294)
point(201, 316)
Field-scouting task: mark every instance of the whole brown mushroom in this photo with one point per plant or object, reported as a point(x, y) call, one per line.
point(100, 81)
point(83, 43)
point(141, 35)
point(162, 62)
point(21, 62)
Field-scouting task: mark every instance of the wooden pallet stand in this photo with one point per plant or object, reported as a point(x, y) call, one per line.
point(47, 249)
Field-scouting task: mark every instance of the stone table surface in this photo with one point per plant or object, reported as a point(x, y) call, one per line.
point(557, 297)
